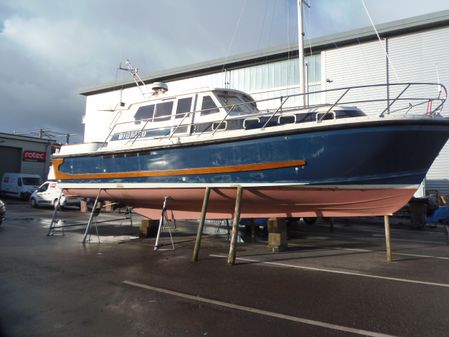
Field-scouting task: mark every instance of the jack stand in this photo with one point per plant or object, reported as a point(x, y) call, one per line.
point(54, 222)
point(199, 232)
point(228, 228)
point(162, 221)
point(235, 226)
point(128, 215)
point(93, 215)
point(387, 238)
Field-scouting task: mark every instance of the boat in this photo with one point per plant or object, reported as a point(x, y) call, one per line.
point(354, 151)
point(329, 160)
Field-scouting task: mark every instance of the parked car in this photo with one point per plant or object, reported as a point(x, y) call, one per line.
point(19, 185)
point(48, 194)
point(2, 211)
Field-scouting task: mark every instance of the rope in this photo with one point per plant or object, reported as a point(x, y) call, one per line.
point(235, 32)
point(380, 41)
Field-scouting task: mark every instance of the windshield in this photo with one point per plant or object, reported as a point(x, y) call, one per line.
point(31, 181)
point(236, 104)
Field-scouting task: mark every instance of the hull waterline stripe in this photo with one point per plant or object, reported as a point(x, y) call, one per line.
point(57, 162)
point(202, 186)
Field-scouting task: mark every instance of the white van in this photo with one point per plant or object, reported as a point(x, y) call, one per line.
point(20, 185)
point(48, 194)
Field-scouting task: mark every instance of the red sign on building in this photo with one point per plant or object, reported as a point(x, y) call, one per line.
point(34, 155)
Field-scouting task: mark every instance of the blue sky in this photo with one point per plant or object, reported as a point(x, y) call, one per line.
point(50, 49)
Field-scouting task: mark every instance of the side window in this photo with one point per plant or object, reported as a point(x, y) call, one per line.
point(208, 106)
point(184, 105)
point(144, 112)
point(163, 111)
point(19, 181)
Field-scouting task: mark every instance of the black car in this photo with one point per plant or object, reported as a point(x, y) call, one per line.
point(2, 211)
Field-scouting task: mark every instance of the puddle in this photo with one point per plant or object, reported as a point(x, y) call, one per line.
point(317, 237)
point(113, 239)
point(22, 219)
point(378, 235)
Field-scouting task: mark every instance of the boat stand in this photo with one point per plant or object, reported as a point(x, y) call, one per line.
point(228, 228)
point(93, 219)
point(52, 227)
point(235, 226)
point(164, 222)
point(199, 233)
point(387, 238)
point(58, 224)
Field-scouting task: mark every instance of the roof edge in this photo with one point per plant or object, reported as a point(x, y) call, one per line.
point(386, 30)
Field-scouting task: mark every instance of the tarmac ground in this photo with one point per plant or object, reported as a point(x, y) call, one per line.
point(325, 284)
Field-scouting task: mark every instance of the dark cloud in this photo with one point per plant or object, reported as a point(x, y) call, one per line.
point(51, 49)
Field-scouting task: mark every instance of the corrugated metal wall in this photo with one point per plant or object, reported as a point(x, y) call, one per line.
point(417, 57)
point(261, 81)
point(361, 64)
point(424, 57)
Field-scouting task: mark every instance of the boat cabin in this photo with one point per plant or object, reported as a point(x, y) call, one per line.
point(213, 110)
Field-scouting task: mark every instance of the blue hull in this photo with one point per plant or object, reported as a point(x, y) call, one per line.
point(382, 154)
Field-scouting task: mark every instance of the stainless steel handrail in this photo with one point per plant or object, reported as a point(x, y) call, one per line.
point(345, 92)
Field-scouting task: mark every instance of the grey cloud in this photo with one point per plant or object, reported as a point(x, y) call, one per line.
point(51, 48)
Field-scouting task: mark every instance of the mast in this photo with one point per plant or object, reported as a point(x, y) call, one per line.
point(302, 73)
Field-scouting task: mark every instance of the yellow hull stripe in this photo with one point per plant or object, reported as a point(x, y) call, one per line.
point(57, 162)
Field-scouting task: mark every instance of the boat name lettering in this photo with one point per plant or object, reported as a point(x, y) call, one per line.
point(129, 135)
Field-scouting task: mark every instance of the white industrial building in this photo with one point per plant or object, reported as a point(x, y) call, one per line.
point(417, 49)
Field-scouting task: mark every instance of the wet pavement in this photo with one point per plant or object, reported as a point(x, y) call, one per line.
point(326, 284)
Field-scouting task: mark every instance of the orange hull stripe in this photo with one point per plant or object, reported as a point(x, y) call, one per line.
point(57, 162)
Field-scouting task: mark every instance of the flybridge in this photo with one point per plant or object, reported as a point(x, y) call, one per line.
point(212, 111)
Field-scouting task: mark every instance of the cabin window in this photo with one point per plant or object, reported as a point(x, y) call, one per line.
point(144, 112)
point(250, 101)
point(219, 126)
point(184, 105)
point(163, 111)
point(208, 106)
point(235, 104)
point(349, 113)
point(306, 117)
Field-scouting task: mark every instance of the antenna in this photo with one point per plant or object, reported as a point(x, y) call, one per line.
point(302, 67)
point(135, 74)
point(50, 134)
